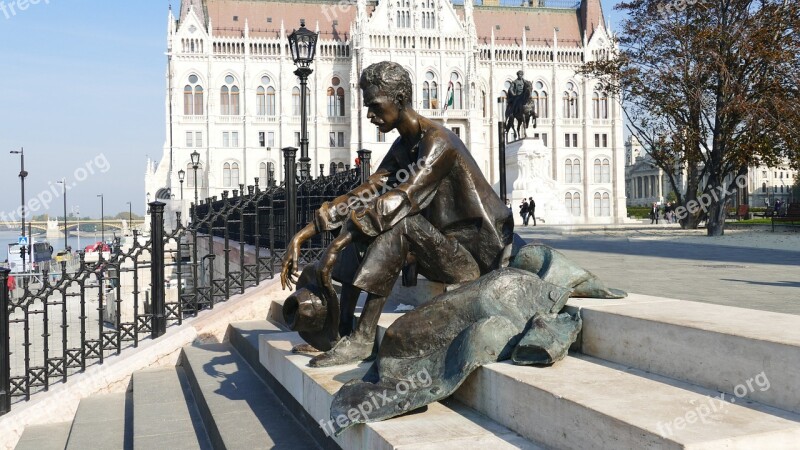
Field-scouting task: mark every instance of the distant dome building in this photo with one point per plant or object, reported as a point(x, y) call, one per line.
point(232, 95)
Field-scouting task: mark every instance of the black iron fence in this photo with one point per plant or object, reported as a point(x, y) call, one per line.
point(66, 320)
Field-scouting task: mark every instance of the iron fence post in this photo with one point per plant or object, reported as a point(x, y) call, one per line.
point(501, 136)
point(289, 154)
point(159, 319)
point(364, 157)
point(5, 360)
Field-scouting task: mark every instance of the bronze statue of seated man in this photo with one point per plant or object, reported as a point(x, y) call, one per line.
point(427, 198)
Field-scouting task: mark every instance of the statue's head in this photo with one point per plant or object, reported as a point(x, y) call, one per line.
point(520, 74)
point(387, 92)
point(388, 78)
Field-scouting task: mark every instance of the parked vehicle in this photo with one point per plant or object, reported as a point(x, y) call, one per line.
point(97, 247)
point(42, 252)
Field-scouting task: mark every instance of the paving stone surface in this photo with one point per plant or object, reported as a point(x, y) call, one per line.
point(45, 437)
point(755, 269)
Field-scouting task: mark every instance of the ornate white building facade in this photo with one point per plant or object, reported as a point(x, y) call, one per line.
point(646, 183)
point(232, 95)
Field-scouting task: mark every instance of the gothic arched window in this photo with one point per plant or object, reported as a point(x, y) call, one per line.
point(190, 175)
point(539, 96)
point(261, 101)
point(570, 102)
point(265, 98)
point(229, 97)
point(430, 92)
point(572, 170)
point(230, 175)
point(599, 103)
point(295, 101)
point(335, 98)
point(458, 91)
point(193, 97)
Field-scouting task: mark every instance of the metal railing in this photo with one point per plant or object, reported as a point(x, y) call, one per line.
point(96, 307)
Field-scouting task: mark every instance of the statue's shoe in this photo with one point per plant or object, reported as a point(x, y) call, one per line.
point(347, 351)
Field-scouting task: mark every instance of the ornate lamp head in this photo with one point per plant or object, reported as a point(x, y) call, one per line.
point(195, 159)
point(303, 45)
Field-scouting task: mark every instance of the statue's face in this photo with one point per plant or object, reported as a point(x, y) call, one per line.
point(382, 111)
point(519, 74)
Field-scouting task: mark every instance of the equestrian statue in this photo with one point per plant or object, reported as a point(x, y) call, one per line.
point(520, 107)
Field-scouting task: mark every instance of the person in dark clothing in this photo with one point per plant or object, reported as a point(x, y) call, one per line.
point(654, 214)
point(532, 210)
point(523, 211)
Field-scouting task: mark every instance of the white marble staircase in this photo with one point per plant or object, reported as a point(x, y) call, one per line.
point(647, 372)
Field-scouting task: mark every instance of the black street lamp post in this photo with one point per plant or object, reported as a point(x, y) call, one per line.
point(63, 184)
point(181, 177)
point(501, 150)
point(102, 221)
point(130, 215)
point(195, 164)
point(22, 175)
point(303, 44)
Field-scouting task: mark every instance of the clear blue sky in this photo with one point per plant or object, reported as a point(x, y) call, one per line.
point(82, 90)
point(82, 81)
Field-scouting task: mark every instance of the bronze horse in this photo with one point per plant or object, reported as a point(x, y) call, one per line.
point(523, 110)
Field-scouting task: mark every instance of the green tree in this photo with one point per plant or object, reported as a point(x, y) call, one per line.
point(709, 90)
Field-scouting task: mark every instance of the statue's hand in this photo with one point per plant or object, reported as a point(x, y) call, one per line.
point(291, 265)
point(328, 260)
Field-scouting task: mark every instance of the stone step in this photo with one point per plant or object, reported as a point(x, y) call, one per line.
point(45, 437)
point(448, 425)
point(244, 337)
point(752, 354)
point(164, 412)
point(584, 402)
point(100, 423)
point(238, 409)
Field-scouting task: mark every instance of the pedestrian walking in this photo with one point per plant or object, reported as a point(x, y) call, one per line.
point(532, 210)
point(523, 211)
point(11, 283)
point(654, 214)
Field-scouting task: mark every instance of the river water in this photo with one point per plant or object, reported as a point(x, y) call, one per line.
point(77, 243)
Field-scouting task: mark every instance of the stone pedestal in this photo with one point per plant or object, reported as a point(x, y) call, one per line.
point(529, 174)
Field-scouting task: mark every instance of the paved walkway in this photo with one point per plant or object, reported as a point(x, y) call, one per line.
point(754, 269)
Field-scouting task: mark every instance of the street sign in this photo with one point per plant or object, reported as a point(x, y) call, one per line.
point(22, 241)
